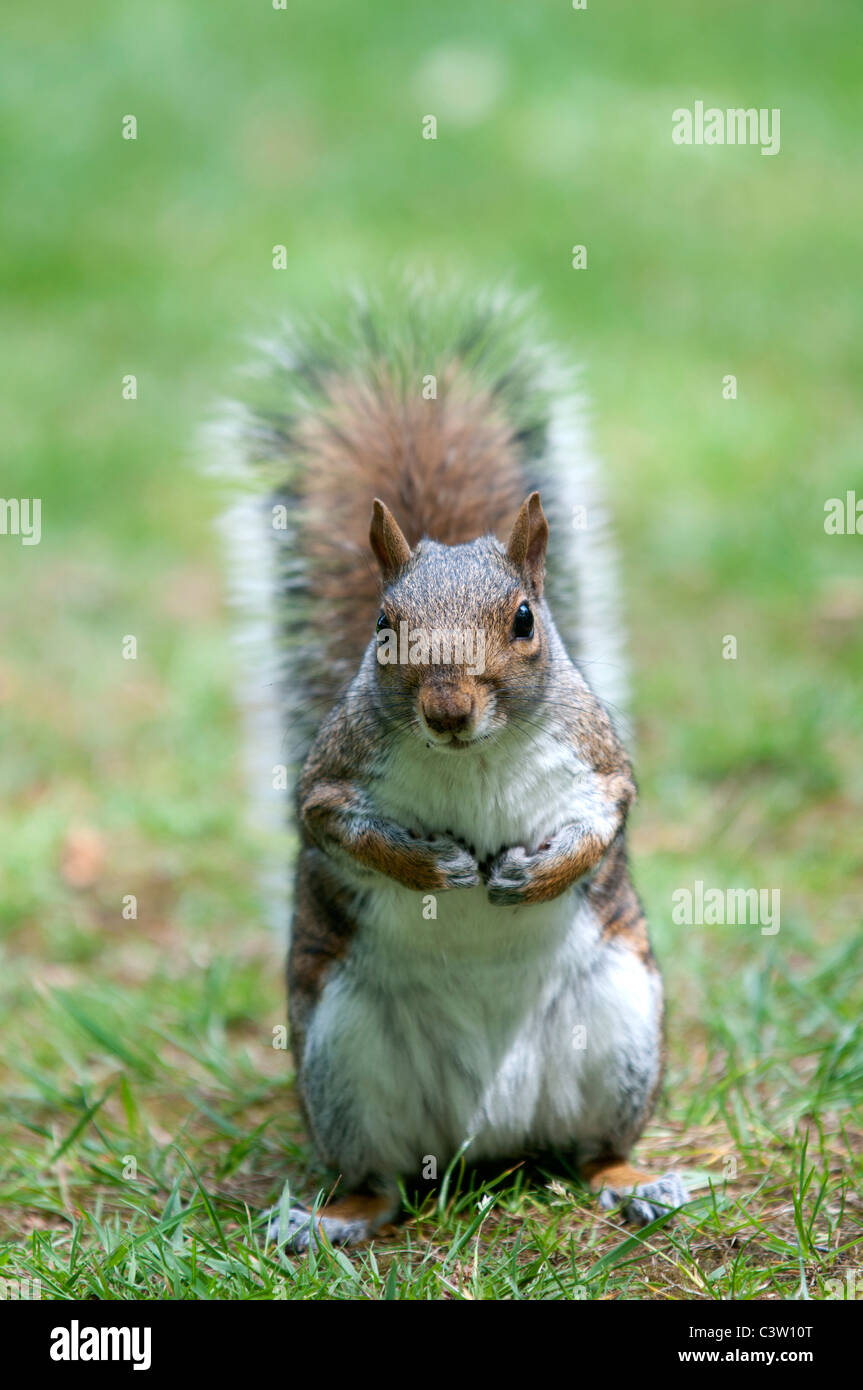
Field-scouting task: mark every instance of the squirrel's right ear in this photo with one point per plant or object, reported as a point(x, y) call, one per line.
point(391, 549)
point(528, 541)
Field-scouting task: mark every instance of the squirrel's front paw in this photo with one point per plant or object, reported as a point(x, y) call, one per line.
point(454, 863)
point(510, 875)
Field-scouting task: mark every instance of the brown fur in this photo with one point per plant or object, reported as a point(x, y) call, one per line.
point(335, 821)
point(617, 905)
point(371, 1207)
point(447, 468)
point(612, 1172)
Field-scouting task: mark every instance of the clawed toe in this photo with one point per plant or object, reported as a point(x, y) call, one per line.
point(647, 1201)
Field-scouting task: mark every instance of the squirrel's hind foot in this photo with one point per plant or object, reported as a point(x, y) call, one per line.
point(646, 1201)
point(349, 1220)
point(641, 1198)
point(302, 1229)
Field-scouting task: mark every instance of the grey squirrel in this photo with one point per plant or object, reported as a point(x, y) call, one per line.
point(469, 964)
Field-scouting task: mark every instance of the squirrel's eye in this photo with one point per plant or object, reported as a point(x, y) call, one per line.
point(523, 623)
point(381, 622)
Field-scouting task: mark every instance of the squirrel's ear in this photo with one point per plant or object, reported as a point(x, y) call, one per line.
point(389, 545)
point(528, 541)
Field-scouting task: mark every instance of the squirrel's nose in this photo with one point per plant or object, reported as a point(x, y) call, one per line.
point(447, 710)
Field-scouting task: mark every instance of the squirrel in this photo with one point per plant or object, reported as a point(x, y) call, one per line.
point(469, 967)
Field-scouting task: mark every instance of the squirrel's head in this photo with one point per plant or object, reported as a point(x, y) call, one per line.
point(462, 642)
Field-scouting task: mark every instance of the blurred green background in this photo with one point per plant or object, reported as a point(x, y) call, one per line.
point(302, 127)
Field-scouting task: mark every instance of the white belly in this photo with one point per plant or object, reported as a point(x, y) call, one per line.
point(511, 1028)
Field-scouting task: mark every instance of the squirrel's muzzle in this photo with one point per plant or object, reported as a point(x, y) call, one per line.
point(447, 709)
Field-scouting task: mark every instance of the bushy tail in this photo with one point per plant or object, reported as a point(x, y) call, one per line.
point(444, 406)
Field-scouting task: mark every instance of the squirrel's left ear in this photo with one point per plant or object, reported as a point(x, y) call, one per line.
point(528, 541)
point(389, 545)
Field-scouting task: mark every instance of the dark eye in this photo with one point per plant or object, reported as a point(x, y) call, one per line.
point(523, 622)
point(381, 622)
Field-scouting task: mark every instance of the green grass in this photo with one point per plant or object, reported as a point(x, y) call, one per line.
point(151, 1038)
